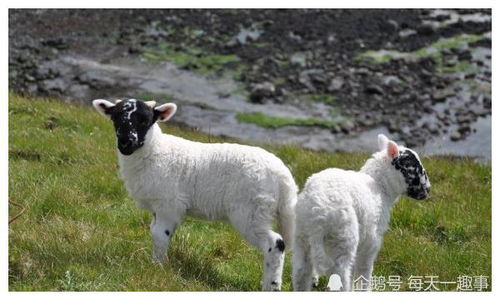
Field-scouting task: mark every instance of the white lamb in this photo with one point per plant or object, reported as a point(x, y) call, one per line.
point(341, 216)
point(172, 177)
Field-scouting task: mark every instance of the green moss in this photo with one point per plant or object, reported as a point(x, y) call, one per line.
point(274, 122)
point(462, 66)
point(191, 58)
point(433, 51)
point(325, 98)
point(456, 41)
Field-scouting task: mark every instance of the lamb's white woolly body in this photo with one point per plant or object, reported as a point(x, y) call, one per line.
point(248, 186)
point(341, 217)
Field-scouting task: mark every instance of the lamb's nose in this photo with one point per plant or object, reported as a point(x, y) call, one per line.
point(124, 143)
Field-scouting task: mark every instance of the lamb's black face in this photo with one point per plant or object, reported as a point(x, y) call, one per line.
point(409, 165)
point(132, 120)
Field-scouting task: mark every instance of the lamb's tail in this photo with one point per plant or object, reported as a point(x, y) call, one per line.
point(286, 210)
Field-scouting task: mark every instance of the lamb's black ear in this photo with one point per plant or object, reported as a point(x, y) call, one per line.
point(104, 107)
point(165, 112)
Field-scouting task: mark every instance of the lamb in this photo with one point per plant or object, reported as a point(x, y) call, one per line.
point(172, 177)
point(341, 216)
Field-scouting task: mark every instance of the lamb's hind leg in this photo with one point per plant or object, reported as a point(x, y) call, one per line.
point(273, 248)
point(334, 251)
point(364, 262)
point(343, 251)
point(259, 234)
point(302, 266)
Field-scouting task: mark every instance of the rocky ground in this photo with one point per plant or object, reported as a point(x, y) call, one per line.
point(419, 74)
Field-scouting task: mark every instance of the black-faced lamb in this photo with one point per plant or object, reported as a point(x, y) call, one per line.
point(171, 177)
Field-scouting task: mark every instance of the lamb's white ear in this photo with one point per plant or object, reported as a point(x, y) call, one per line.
point(382, 142)
point(166, 111)
point(103, 107)
point(392, 149)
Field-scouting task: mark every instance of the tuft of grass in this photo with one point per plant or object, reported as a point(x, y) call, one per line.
point(273, 122)
point(81, 231)
point(191, 58)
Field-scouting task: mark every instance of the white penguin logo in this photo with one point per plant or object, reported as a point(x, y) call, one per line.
point(334, 283)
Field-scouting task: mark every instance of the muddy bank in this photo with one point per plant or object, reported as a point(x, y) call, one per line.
point(325, 79)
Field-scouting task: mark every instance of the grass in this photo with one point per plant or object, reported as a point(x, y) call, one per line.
point(273, 122)
point(190, 58)
point(82, 232)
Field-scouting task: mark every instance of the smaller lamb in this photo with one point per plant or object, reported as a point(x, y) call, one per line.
point(341, 216)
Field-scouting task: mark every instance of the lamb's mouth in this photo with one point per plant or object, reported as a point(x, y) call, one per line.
point(421, 195)
point(128, 150)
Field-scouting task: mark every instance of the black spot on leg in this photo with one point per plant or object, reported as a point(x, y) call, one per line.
point(280, 245)
point(167, 232)
point(274, 283)
point(269, 249)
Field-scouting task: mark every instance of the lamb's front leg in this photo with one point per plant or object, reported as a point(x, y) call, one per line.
point(162, 229)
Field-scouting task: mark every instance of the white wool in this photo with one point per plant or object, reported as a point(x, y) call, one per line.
point(248, 186)
point(341, 217)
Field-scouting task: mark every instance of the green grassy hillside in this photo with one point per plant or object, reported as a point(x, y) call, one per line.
point(81, 231)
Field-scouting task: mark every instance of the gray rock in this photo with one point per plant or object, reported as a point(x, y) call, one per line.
point(97, 79)
point(58, 43)
point(299, 58)
point(451, 61)
point(32, 89)
point(79, 91)
point(331, 39)
point(294, 37)
point(455, 136)
point(464, 118)
point(336, 84)
point(426, 29)
point(262, 91)
point(441, 95)
point(29, 78)
point(431, 127)
point(57, 85)
point(362, 71)
point(311, 76)
point(347, 126)
point(335, 129)
point(407, 32)
point(374, 89)
point(232, 43)
point(392, 25)
point(391, 81)
point(464, 129)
